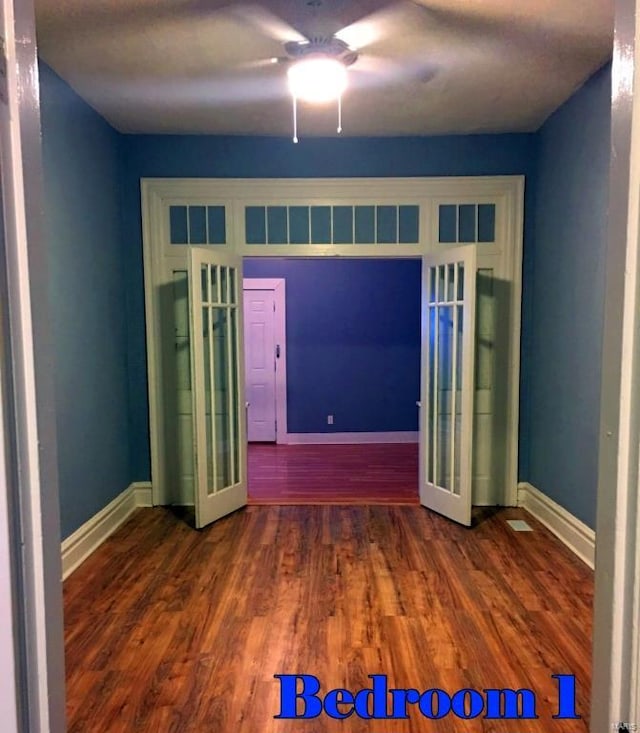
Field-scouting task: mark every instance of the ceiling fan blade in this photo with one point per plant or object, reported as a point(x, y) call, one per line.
point(387, 22)
point(321, 18)
point(232, 87)
point(267, 22)
point(375, 71)
point(261, 63)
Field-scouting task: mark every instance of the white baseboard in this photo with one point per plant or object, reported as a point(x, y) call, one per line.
point(408, 436)
point(87, 538)
point(568, 529)
point(143, 492)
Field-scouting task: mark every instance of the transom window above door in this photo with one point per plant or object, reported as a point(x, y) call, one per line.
point(466, 223)
point(197, 224)
point(373, 217)
point(337, 224)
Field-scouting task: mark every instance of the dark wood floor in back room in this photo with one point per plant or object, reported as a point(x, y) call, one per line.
point(329, 474)
point(172, 630)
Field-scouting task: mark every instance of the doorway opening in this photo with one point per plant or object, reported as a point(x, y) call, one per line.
point(355, 408)
point(351, 338)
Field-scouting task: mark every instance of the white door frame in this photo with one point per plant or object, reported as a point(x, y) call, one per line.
point(31, 630)
point(616, 640)
point(279, 288)
point(160, 255)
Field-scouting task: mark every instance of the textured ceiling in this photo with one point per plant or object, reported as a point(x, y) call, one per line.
point(429, 67)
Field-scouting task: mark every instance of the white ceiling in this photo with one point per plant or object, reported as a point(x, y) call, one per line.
point(428, 67)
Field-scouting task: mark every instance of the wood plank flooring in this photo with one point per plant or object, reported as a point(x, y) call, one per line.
point(333, 474)
point(170, 629)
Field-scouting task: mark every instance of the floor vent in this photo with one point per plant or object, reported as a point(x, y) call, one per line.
point(519, 525)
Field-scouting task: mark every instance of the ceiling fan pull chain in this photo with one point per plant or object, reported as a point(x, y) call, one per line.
point(295, 119)
point(339, 114)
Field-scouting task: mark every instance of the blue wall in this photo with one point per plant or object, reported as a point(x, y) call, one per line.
point(82, 169)
point(353, 342)
point(201, 156)
point(567, 281)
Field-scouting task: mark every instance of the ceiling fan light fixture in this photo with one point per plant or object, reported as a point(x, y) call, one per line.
point(319, 79)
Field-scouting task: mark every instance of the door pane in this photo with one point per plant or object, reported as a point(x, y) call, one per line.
point(204, 278)
point(223, 285)
point(234, 397)
point(441, 295)
point(457, 434)
point(451, 282)
point(222, 411)
point(208, 406)
point(485, 329)
point(432, 337)
point(460, 295)
point(179, 410)
point(233, 275)
point(443, 397)
point(215, 285)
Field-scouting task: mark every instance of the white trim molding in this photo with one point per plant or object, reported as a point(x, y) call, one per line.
point(576, 535)
point(87, 538)
point(162, 258)
point(408, 436)
point(615, 681)
point(31, 607)
point(143, 493)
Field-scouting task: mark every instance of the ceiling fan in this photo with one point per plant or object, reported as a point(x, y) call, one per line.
point(322, 39)
point(317, 72)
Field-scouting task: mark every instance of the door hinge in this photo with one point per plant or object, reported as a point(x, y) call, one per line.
point(4, 84)
point(274, 307)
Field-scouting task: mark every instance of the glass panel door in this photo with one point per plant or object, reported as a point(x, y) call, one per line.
point(448, 345)
point(217, 394)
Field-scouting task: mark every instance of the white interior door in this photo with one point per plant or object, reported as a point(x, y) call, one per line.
point(218, 384)
point(447, 415)
point(260, 364)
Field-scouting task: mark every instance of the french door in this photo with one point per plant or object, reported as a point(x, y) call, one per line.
point(217, 371)
point(447, 385)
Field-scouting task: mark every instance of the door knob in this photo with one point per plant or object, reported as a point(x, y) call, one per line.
point(418, 403)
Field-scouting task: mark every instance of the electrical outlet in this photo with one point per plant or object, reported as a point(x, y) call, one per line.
point(329, 419)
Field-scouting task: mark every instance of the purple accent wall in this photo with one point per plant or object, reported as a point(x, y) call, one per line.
point(353, 342)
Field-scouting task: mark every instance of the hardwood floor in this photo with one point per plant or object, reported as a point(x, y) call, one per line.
point(170, 629)
point(333, 474)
